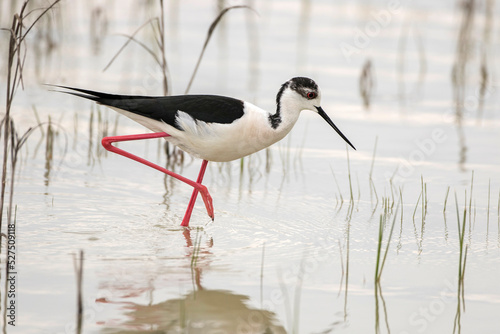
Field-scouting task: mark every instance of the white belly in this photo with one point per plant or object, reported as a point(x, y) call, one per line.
point(226, 142)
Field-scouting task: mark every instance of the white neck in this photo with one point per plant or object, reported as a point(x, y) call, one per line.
point(287, 113)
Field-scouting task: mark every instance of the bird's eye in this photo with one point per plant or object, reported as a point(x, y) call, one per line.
point(311, 95)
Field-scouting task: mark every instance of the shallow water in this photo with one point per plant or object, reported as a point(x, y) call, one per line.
point(287, 252)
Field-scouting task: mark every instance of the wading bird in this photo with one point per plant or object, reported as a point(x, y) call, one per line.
point(210, 127)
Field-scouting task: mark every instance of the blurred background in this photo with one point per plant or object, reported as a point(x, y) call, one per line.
point(302, 229)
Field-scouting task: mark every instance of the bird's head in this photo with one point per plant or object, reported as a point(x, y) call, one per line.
point(304, 94)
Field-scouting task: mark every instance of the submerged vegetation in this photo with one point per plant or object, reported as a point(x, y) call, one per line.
point(22, 24)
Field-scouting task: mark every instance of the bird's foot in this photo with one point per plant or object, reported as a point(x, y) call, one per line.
point(207, 199)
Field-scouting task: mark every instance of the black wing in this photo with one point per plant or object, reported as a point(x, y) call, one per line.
point(206, 108)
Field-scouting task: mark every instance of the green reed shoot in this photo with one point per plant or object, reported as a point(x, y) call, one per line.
point(379, 266)
point(444, 214)
point(38, 122)
point(461, 264)
point(401, 224)
point(196, 248)
point(419, 244)
point(470, 200)
point(340, 192)
point(341, 267)
point(424, 207)
point(379, 246)
point(348, 237)
point(391, 185)
point(376, 197)
point(195, 255)
point(446, 199)
point(416, 207)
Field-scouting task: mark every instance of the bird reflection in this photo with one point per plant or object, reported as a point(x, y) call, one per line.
point(198, 312)
point(201, 310)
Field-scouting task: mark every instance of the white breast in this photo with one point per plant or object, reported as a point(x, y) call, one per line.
point(225, 142)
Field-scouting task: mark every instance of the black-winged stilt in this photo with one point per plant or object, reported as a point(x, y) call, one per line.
point(211, 127)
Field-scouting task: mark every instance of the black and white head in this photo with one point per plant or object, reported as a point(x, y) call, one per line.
point(302, 93)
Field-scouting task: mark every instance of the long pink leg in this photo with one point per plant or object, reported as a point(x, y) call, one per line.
point(187, 216)
point(198, 187)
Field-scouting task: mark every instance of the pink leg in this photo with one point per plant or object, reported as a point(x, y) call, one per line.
point(187, 216)
point(198, 187)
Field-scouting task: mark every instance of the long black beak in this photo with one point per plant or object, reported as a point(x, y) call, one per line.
point(323, 114)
